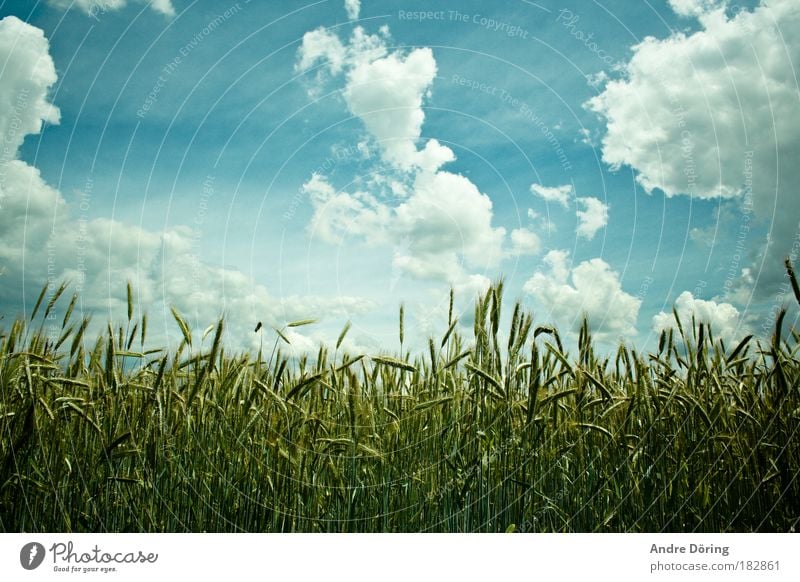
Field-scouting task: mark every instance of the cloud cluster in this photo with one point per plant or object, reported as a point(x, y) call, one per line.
point(591, 289)
point(725, 320)
point(591, 213)
point(41, 243)
point(716, 114)
point(96, 7)
point(29, 208)
point(28, 74)
point(385, 90)
point(441, 231)
point(441, 225)
point(694, 8)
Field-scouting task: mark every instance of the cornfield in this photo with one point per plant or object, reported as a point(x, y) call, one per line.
point(472, 435)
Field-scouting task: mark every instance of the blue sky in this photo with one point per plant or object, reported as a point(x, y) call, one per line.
point(268, 160)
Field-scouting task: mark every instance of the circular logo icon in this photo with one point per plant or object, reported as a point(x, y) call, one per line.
point(31, 555)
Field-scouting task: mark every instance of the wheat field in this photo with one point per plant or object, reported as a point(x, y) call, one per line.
point(101, 435)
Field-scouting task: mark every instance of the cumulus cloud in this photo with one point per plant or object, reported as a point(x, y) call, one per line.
point(387, 95)
point(559, 194)
point(442, 227)
point(28, 74)
point(525, 242)
point(353, 7)
point(447, 212)
point(725, 320)
point(321, 47)
point(592, 218)
point(97, 7)
point(591, 289)
point(29, 208)
point(715, 114)
point(41, 243)
point(688, 8)
point(438, 223)
point(384, 89)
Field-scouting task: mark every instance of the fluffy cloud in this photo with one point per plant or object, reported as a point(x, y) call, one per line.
point(28, 74)
point(688, 8)
point(725, 320)
point(559, 194)
point(715, 114)
point(387, 95)
point(39, 242)
point(321, 46)
point(440, 226)
point(591, 289)
point(592, 218)
point(384, 89)
point(443, 226)
point(353, 7)
point(29, 208)
point(447, 212)
point(525, 242)
point(340, 214)
point(95, 7)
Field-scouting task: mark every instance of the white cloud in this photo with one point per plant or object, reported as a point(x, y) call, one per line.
point(443, 226)
point(353, 7)
point(165, 7)
point(559, 194)
point(716, 114)
point(695, 8)
point(338, 215)
point(591, 289)
point(40, 243)
point(437, 223)
point(525, 242)
point(28, 73)
point(592, 218)
point(387, 95)
point(447, 212)
point(385, 90)
point(725, 320)
point(321, 46)
point(29, 208)
point(97, 7)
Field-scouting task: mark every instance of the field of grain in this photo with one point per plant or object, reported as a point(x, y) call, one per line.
point(471, 435)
